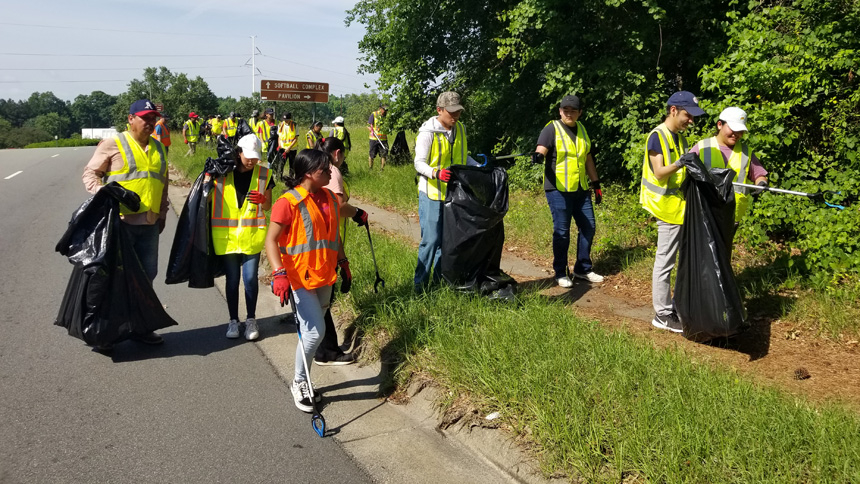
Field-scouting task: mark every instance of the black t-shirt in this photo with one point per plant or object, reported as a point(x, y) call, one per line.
point(547, 140)
point(242, 184)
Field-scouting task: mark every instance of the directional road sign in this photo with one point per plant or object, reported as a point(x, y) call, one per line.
point(294, 91)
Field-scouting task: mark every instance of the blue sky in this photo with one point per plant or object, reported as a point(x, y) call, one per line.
point(103, 44)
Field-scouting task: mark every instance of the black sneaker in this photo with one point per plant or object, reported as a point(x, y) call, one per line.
point(150, 338)
point(669, 322)
point(339, 359)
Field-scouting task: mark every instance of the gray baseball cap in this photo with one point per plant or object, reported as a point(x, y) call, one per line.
point(449, 100)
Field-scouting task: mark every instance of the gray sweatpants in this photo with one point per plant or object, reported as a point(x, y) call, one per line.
point(668, 240)
point(311, 307)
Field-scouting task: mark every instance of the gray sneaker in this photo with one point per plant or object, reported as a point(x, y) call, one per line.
point(668, 322)
point(233, 329)
point(252, 332)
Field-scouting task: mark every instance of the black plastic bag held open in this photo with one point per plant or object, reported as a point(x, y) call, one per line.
point(109, 297)
point(473, 230)
point(707, 298)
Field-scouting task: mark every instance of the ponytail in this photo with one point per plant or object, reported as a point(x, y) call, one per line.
point(307, 161)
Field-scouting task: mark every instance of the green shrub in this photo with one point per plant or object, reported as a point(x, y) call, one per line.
point(64, 143)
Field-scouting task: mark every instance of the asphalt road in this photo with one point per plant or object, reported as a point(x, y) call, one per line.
point(200, 408)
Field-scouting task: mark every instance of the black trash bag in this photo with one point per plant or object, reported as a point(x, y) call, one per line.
point(473, 231)
point(272, 153)
point(400, 154)
point(707, 297)
point(109, 297)
point(192, 255)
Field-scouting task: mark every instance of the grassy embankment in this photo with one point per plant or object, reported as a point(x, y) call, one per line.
point(598, 404)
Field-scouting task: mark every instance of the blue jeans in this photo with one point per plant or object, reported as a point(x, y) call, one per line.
point(430, 248)
point(144, 240)
point(311, 306)
point(565, 206)
point(247, 265)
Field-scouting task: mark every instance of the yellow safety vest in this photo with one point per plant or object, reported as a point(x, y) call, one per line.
point(712, 157)
point(235, 229)
point(229, 128)
point(216, 126)
point(442, 155)
point(143, 172)
point(663, 198)
point(570, 156)
point(374, 128)
point(262, 132)
point(193, 131)
point(312, 139)
point(286, 134)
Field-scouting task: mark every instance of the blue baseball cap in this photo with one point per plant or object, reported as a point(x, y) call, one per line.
point(686, 101)
point(142, 107)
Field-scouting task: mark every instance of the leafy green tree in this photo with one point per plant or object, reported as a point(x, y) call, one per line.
point(179, 95)
point(45, 103)
point(93, 110)
point(53, 124)
point(15, 112)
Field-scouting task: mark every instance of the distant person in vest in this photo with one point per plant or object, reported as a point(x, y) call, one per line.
point(727, 150)
point(564, 149)
point(191, 132)
point(378, 137)
point(162, 133)
point(287, 141)
point(252, 121)
point(662, 175)
point(340, 132)
point(216, 127)
point(329, 352)
point(238, 219)
point(441, 142)
point(206, 132)
point(314, 135)
point(228, 129)
point(303, 245)
point(264, 130)
point(137, 162)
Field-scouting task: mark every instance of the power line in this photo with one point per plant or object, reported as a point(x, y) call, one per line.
point(112, 68)
point(108, 80)
point(97, 30)
point(314, 67)
point(123, 55)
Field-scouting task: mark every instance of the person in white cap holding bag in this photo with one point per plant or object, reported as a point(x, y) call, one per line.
point(239, 202)
point(727, 150)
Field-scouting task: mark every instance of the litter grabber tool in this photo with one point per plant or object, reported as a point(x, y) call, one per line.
point(379, 280)
point(818, 196)
point(317, 420)
point(487, 158)
point(380, 141)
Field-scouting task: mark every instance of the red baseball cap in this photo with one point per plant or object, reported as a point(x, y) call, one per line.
point(192, 114)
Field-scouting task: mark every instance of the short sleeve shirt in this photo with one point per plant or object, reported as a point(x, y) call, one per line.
point(756, 170)
point(547, 140)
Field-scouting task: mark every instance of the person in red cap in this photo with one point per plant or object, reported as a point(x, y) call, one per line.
point(138, 162)
point(191, 133)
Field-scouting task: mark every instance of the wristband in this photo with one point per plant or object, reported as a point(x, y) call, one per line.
point(341, 261)
point(279, 272)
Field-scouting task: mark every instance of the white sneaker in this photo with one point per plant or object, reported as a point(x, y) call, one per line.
point(589, 276)
point(302, 396)
point(251, 330)
point(564, 281)
point(233, 329)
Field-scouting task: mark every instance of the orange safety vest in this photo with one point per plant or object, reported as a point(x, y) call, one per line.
point(309, 249)
point(165, 137)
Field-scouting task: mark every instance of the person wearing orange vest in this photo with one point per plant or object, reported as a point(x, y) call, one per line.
point(377, 136)
point(303, 245)
point(162, 133)
point(137, 162)
point(237, 217)
point(663, 173)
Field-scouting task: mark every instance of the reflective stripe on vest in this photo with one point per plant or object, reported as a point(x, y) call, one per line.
point(235, 229)
point(374, 128)
point(229, 127)
point(443, 154)
point(193, 131)
point(338, 132)
point(164, 137)
point(311, 259)
point(712, 157)
point(311, 138)
point(143, 173)
point(570, 156)
point(662, 198)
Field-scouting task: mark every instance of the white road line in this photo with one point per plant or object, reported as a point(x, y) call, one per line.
point(13, 174)
point(55, 155)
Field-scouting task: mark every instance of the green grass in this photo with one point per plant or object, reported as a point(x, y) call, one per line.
point(190, 166)
point(600, 405)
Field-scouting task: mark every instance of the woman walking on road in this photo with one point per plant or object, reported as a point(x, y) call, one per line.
point(329, 352)
point(303, 244)
point(238, 219)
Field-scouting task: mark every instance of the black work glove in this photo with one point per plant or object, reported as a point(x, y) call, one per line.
point(538, 158)
point(345, 276)
point(598, 193)
point(758, 193)
point(360, 217)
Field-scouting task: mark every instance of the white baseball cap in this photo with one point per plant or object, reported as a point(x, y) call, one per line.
point(736, 118)
point(338, 119)
point(250, 145)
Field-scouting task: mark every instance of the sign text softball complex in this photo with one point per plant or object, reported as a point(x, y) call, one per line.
point(294, 91)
